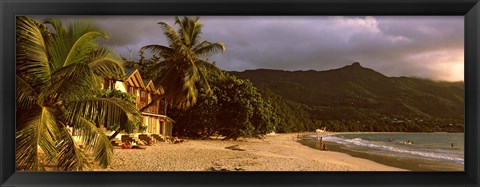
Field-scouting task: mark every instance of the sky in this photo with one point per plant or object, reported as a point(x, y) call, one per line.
point(415, 46)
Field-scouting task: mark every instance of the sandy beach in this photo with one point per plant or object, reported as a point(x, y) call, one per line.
point(278, 152)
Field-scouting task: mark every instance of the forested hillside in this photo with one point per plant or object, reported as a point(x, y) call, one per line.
point(355, 98)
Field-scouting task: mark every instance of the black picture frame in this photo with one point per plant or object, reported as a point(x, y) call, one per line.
point(11, 8)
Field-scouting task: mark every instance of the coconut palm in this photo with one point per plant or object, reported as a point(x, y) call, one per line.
point(58, 82)
point(182, 68)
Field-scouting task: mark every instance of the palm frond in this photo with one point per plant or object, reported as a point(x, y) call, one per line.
point(105, 65)
point(84, 43)
point(103, 150)
point(56, 24)
point(94, 139)
point(189, 30)
point(71, 83)
point(70, 156)
point(195, 74)
point(210, 49)
point(164, 51)
point(189, 90)
point(72, 44)
point(196, 33)
point(58, 43)
point(111, 112)
point(31, 52)
point(174, 40)
point(180, 89)
point(208, 67)
point(26, 95)
point(204, 69)
point(36, 128)
point(201, 45)
point(183, 30)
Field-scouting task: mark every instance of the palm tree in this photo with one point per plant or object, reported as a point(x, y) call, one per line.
point(58, 83)
point(182, 66)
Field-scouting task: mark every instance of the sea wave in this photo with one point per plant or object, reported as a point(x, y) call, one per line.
point(393, 149)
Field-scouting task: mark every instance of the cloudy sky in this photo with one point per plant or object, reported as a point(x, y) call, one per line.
point(426, 47)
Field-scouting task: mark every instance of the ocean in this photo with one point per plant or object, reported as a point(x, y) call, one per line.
point(412, 151)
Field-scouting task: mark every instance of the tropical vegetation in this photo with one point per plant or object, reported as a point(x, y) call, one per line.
point(181, 69)
point(234, 109)
point(60, 70)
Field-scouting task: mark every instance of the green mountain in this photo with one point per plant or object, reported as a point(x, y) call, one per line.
point(354, 92)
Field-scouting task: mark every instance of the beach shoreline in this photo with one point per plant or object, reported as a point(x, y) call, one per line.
point(277, 152)
point(404, 162)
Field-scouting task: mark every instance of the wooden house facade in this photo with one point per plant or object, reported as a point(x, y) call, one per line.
point(155, 116)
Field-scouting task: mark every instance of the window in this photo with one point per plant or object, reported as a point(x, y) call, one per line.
point(130, 90)
point(143, 96)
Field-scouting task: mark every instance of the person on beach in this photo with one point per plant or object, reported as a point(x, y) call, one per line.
point(126, 145)
point(151, 141)
point(452, 145)
point(408, 142)
point(321, 141)
point(129, 145)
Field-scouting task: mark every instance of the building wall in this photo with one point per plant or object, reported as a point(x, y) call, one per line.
point(155, 125)
point(119, 85)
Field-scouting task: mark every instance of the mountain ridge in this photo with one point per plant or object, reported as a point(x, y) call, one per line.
point(352, 88)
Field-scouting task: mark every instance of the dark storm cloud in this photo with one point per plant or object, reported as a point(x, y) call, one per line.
point(130, 33)
point(428, 47)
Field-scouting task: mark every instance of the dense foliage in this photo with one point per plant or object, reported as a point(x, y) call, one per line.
point(291, 116)
point(108, 93)
point(235, 109)
point(145, 66)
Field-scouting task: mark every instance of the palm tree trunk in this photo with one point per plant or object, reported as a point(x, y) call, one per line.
point(113, 135)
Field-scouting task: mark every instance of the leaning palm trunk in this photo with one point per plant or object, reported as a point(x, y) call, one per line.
point(59, 78)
